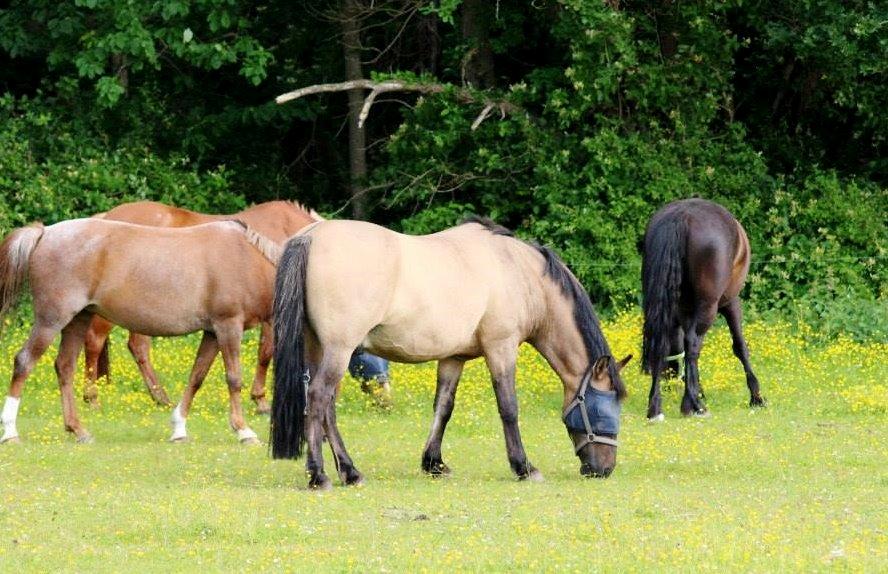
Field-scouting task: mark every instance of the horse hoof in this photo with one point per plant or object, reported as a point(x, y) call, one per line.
point(657, 418)
point(757, 402)
point(263, 409)
point(357, 479)
point(11, 440)
point(535, 476)
point(251, 441)
point(85, 439)
point(437, 469)
point(182, 439)
point(701, 414)
point(320, 484)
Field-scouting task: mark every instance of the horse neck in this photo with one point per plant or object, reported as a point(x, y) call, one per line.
point(559, 341)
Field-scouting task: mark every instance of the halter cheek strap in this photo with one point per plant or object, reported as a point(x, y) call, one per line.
point(580, 401)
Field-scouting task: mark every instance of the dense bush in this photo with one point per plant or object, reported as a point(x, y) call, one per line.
point(775, 109)
point(50, 174)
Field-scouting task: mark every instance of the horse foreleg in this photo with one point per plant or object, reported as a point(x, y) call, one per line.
point(140, 348)
point(95, 339)
point(230, 336)
point(266, 352)
point(703, 317)
point(733, 314)
point(206, 353)
point(73, 336)
point(502, 370)
point(449, 372)
point(40, 339)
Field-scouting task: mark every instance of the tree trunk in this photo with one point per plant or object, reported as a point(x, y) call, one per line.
point(478, 61)
point(357, 141)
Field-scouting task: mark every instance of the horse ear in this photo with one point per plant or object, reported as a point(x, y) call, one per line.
point(623, 363)
point(599, 369)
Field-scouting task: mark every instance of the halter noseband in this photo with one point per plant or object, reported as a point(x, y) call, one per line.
point(580, 401)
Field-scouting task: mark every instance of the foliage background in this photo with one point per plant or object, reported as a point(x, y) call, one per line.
point(776, 109)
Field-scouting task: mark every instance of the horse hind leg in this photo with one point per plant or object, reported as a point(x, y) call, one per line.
point(73, 336)
point(694, 333)
point(140, 348)
point(266, 352)
point(40, 339)
point(95, 349)
point(321, 391)
point(733, 314)
point(449, 372)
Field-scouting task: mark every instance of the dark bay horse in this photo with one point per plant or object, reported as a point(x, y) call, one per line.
point(277, 220)
point(470, 291)
point(217, 278)
point(696, 257)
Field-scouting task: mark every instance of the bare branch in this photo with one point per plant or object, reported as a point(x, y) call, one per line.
point(462, 94)
point(482, 116)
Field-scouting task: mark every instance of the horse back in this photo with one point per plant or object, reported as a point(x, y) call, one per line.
point(182, 278)
point(155, 214)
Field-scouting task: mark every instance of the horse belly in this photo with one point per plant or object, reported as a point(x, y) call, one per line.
point(415, 344)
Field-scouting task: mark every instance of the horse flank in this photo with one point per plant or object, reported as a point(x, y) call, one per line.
point(584, 313)
point(15, 256)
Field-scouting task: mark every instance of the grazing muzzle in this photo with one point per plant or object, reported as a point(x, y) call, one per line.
point(593, 413)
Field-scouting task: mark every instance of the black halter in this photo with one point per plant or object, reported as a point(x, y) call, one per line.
point(588, 394)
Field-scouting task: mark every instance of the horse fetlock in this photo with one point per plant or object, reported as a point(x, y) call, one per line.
point(349, 475)
point(757, 401)
point(320, 482)
point(177, 422)
point(434, 466)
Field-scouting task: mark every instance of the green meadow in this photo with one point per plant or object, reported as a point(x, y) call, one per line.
point(799, 486)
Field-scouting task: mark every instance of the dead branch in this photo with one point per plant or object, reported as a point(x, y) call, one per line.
point(376, 88)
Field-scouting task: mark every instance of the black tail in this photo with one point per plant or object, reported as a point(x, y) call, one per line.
point(661, 276)
point(288, 405)
point(103, 367)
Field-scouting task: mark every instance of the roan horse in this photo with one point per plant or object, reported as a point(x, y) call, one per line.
point(470, 291)
point(696, 256)
point(217, 278)
point(276, 220)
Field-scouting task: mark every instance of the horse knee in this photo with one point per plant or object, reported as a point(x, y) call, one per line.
point(21, 363)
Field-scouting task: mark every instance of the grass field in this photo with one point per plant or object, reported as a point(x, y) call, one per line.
point(799, 486)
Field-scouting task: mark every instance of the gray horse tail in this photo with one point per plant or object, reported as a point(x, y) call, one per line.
point(15, 258)
point(662, 267)
point(290, 376)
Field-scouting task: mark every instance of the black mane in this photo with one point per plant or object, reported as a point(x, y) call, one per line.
point(584, 313)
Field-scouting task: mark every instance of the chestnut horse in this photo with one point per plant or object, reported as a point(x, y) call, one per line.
point(696, 257)
point(277, 220)
point(217, 278)
point(470, 291)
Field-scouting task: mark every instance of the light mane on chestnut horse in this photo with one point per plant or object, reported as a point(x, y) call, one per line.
point(470, 291)
point(217, 278)
point(277, 220)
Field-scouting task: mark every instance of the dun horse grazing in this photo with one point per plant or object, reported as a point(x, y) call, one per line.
point(696, 256)
point(277, 220)
point(470, 291)
point(217, 278)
